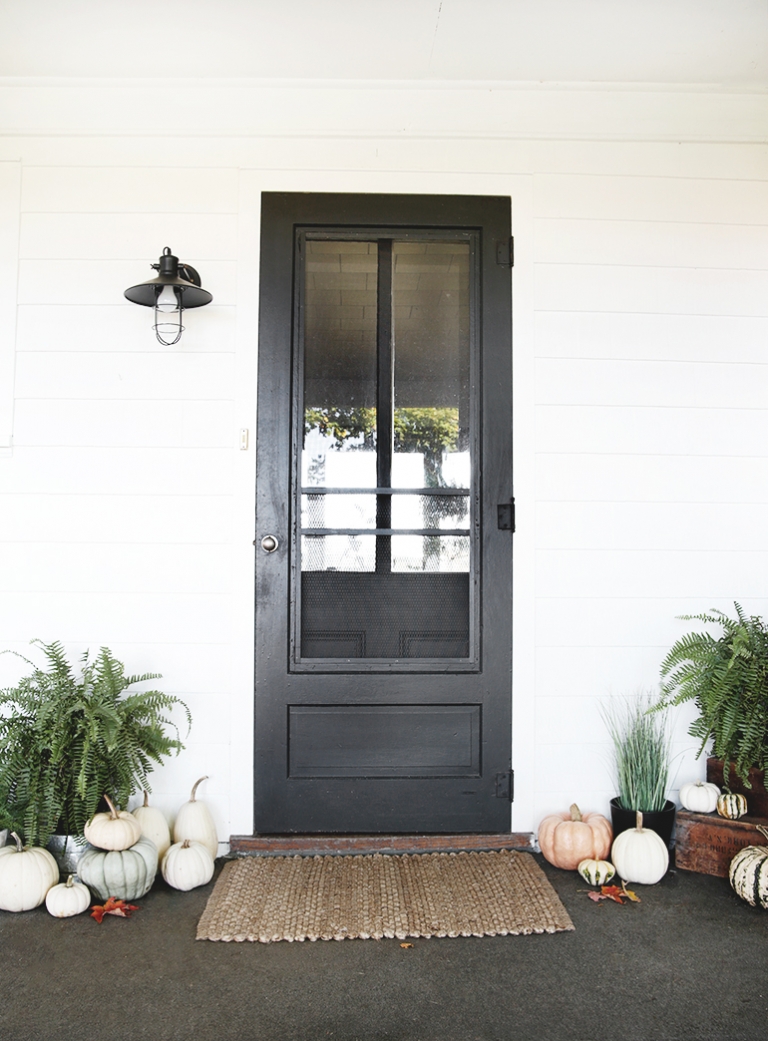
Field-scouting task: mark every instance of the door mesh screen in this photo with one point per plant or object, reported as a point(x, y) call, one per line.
point(365, 615)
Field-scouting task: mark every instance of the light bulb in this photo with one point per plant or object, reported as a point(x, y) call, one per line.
point(167, 300)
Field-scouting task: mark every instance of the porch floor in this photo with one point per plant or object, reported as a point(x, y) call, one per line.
point(689, 962)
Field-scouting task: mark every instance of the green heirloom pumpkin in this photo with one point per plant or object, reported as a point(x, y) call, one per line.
point(126, 874)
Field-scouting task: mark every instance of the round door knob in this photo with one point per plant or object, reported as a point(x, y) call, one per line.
point(269, 543)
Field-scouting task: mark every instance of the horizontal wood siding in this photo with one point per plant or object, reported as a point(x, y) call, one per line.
point(641, 380)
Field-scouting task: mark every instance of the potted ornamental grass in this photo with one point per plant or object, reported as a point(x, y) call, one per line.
point(641, 754)
point(68, 736)
point(726, 675)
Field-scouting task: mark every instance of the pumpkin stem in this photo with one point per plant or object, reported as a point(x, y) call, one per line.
point(19, 843)
point(638, 820)
point(185, 844)
point(70, 881)
point(146, 798)
point(194, 790)
point(112, 810)
point(575, 812)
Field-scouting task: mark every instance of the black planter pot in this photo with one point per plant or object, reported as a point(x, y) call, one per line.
point(660, 821)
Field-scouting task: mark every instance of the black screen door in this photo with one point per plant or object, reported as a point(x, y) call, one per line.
point(383, 606)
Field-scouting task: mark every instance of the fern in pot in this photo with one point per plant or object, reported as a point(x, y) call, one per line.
point(641, 752)
point(727, 678)
point(69, 736)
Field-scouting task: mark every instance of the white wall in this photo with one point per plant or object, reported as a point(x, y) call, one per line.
point(640, 367)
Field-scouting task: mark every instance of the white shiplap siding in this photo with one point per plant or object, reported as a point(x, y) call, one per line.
point(640, 379)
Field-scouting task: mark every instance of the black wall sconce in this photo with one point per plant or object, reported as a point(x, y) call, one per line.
point(176, 288)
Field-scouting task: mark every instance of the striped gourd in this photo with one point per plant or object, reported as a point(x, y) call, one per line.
point(748, 873)
point(732, 806)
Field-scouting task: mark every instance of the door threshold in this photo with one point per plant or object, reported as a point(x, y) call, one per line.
point(336, 845)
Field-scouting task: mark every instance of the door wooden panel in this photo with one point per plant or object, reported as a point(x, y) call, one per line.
point(383, 600)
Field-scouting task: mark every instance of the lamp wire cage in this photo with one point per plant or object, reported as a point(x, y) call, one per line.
point(185, 282)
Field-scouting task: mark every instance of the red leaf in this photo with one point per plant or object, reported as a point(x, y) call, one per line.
point(613, 893)
point(114, 906)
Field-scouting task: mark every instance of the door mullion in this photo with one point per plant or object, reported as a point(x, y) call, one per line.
point(384, 403)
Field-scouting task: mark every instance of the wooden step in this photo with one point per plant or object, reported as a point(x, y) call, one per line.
point(324, 845)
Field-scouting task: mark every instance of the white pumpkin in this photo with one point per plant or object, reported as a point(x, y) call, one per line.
point(732, 806)
point(26, 875)
point(127, 874)
point(68, 898)
point(113, 830)
point(699, 796)
point(194, 822)
point(153, 826)
point(639, 854)
point(596, 872)
point(187, 865)
point(748, 873)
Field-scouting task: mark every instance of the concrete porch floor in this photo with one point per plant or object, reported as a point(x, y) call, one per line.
point(689, 962)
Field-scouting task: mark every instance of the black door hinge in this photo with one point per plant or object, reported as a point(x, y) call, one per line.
point(506, 515)
point(505, 786)
point(505, 252)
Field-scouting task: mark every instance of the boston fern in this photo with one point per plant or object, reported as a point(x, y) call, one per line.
point(727, 677)
point(67, 739)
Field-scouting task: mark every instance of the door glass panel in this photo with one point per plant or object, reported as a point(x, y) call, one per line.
point(385, 573)
point(340, 364)
point(430, 290)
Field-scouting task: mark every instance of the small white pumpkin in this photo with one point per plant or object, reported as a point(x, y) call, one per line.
point(68, 898)
point(194, 822)
point(187, 865)
point(127, 874)
point(26, 875)
point(639, 854)
point(699, 796)
point(748, 873)
point(732, 806)
point(596, 872)
point(153, 826)
point(113, 830)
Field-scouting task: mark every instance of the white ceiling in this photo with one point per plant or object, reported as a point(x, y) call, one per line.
point(722, 42)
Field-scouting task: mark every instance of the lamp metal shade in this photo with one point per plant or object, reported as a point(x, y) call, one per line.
point(190, 294)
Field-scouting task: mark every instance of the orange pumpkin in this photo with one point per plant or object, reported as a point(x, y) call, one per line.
point(568, 838)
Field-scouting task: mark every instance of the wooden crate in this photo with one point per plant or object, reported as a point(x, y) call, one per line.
point(707, 843)
point(757, 796)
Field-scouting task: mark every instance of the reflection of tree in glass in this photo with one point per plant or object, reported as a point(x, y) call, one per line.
point(431, 431)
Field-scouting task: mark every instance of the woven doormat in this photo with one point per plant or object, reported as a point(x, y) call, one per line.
point(349, 897)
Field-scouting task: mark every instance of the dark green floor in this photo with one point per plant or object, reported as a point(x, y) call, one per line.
point(690, 961)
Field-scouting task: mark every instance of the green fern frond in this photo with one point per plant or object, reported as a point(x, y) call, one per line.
point(727, 678)
point(65, 739)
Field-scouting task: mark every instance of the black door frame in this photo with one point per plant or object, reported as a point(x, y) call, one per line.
point(282, 213)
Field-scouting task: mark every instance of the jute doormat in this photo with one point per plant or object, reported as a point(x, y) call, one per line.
point(348, 897)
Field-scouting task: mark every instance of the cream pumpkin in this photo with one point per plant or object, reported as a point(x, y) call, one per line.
point(114, 830)
point(639, 854)
point(194, 822)
point(68, 899)
point(153, 826)
point(26, 875)
point(568, 838)
point(699, 796)
point(187, 865)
